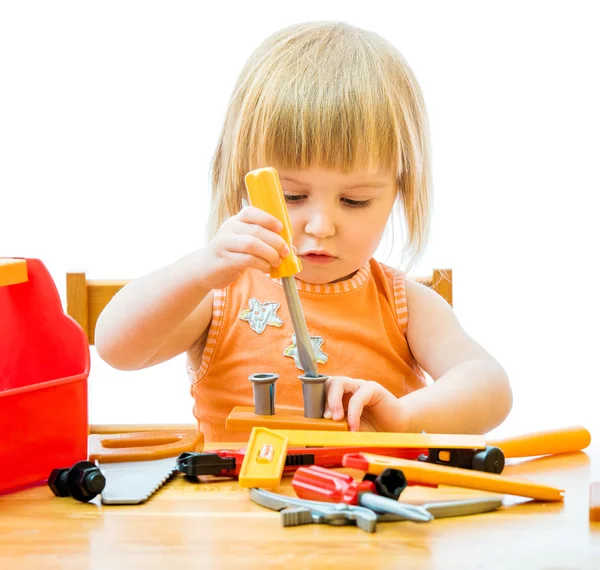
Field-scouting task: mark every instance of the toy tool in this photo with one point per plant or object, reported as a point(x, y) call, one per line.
point(264, 192)
point(559, 440)
point(320, 483)
point(451, 450)
point(419, 472)
point(317, 483)
point(268, 474)
point(135, 465)
point(296, 511)
point(227, 463)
point(382, 439)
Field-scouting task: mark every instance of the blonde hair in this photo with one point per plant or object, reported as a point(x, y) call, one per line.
point(333, 96)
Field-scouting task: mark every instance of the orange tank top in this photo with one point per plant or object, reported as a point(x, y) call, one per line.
point(357, 327)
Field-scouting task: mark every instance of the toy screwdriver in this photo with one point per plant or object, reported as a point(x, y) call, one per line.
point(264, 192)
point(379, 494)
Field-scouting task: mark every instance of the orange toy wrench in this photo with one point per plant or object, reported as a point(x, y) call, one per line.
point(264, 191)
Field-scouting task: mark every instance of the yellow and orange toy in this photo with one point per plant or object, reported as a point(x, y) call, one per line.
point(262, 465)
point(12, 271)
point(264, 192)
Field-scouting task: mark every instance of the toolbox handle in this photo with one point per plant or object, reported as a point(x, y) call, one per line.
point(143, 446)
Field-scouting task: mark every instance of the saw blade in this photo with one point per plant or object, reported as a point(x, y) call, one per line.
point(133, 482)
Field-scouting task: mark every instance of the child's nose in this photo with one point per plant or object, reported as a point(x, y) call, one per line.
point(320, 224)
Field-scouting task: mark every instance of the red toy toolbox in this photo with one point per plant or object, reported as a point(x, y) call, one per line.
point(44, 366)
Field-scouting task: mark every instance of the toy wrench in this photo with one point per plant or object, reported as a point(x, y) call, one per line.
point(296, 512)
point(443, 509)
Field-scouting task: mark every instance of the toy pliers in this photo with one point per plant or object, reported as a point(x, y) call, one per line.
point(296, 512)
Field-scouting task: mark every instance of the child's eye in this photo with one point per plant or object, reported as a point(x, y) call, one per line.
point(356, 203)
point(293, 198)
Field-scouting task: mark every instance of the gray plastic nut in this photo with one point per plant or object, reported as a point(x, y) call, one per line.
point(313, 392)
point(263, 386)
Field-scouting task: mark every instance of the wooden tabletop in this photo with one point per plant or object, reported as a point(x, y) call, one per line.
point(215, 525)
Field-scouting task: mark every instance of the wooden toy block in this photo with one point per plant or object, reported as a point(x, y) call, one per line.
point(13, 271)
point(243, 418)
point(594, 502)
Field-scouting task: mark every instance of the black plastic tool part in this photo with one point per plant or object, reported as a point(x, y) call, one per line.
point(192, 464)
point(83, 481)
point(489, 460)
point(389, 483)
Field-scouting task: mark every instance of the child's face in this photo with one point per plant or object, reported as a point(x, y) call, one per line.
point(337, 219)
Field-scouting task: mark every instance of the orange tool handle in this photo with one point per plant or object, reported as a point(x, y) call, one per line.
point(264, 192)
point(420, 472)
point(560, 440)
point(143, 446)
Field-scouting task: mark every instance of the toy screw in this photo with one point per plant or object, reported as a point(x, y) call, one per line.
point(263, 386)
point(83, 481)
point(313, 392)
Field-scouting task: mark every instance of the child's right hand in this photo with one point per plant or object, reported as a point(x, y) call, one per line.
point(250, 239)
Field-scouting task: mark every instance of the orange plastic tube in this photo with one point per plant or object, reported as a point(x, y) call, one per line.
point(264, 192)
point(560, 440)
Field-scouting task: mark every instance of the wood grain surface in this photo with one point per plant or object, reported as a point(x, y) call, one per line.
point(213, 524)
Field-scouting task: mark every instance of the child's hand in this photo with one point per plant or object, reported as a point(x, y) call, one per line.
point(370, 407)
point(247, 240)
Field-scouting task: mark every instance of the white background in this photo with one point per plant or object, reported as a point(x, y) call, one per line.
point(109, 113)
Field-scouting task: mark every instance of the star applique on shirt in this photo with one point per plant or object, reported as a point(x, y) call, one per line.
point(316, 342)
point(259, 315)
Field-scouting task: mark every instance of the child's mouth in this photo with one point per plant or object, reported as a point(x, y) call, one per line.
point(318, 258)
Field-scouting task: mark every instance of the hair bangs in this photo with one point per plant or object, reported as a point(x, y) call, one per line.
point(332, 116)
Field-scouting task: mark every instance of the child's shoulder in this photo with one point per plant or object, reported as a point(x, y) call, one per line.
point(394, 276)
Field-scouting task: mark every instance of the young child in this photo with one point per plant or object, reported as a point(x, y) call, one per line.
point(338, 113)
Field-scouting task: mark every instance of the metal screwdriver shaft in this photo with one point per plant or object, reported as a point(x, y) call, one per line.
point(384, 505)
point(306, 354)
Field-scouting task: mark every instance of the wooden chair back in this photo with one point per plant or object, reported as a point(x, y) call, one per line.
point(86, 298)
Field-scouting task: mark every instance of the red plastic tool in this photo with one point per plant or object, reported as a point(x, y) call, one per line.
point(381, 495)
point(227, 463)
point(317, 483)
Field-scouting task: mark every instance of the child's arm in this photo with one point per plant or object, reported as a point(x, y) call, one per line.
point(163, 314)
point(471, 392)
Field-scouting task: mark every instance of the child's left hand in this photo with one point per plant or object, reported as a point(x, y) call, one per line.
point(369, 406)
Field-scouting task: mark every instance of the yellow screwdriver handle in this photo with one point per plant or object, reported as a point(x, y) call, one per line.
point(264, 192)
